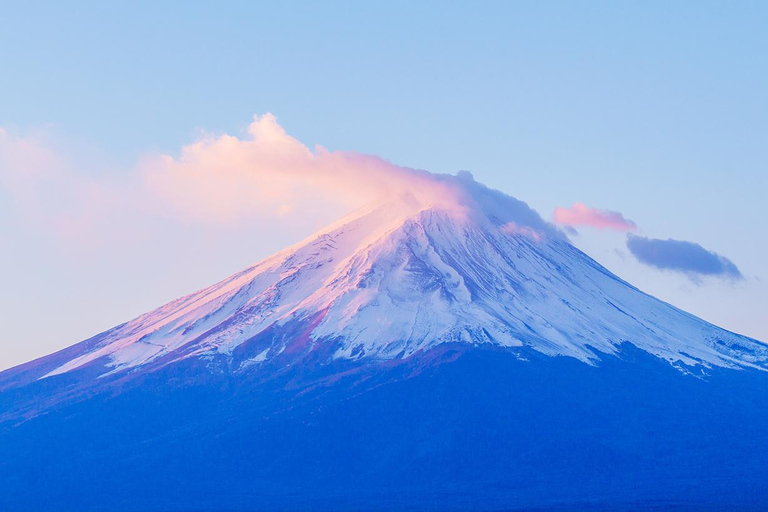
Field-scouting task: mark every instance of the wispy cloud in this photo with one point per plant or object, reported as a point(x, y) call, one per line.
point(268, 173)
point(686, 257)
point(580, 214)
point(47, 190)
point(264, 177)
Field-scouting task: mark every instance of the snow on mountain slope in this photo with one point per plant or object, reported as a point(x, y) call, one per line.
point(403, 277)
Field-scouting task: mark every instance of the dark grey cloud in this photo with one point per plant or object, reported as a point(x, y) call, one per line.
point(686, 257)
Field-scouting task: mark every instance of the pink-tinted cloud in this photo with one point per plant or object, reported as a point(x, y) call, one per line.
point(226, 179)
point(581, 215)
point(48, 193)
point(254, 182)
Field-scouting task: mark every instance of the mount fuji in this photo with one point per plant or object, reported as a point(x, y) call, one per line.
point(458, 354)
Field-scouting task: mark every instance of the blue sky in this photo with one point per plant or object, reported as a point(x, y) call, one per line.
point(656, 110)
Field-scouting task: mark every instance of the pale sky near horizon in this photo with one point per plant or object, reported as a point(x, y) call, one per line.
point(655, 110)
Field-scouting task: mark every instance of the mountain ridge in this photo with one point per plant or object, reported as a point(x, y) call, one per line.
point(390, 280)
point(461, 355)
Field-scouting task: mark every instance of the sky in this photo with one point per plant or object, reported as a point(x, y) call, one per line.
point(640, 128)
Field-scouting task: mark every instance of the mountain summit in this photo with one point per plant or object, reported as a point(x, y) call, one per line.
point(401, 278)
point(449, 352)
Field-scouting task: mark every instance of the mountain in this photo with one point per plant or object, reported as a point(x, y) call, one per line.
point(411, 356)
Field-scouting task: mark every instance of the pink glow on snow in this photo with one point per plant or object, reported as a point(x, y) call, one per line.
point(512, 228)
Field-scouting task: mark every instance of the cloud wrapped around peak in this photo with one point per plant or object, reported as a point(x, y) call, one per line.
point(686, 257)
point(271, 174)
point(581, 215)
point(260, 179)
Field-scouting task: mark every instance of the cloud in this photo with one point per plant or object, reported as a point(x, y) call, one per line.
point(262, 178)
point(45, 189)
point(268, 173)
point(217, 181)
point(581, 215)
point(679, 256)
point(686, 257)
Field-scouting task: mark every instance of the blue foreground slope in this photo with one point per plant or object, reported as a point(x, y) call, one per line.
point(454, 428)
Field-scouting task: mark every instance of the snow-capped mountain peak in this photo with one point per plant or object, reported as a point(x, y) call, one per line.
point(399, 278)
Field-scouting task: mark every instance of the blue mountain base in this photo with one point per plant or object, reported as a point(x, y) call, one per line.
point(455, 428)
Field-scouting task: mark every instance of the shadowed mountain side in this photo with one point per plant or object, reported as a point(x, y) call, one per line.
point(456, 428)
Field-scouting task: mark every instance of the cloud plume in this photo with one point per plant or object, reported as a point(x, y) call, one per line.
point(269, 173)
point(686, 257)
point(263, 177)
point(580, 214)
